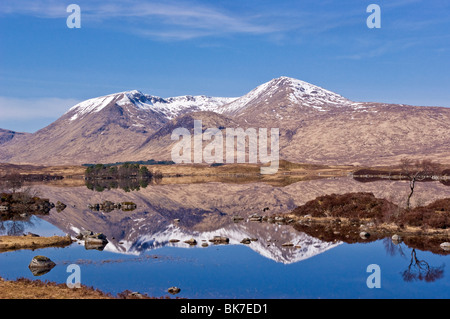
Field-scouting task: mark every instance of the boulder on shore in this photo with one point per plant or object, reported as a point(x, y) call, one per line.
point(445, 246)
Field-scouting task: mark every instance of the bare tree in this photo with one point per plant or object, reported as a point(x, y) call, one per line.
point(417, 171)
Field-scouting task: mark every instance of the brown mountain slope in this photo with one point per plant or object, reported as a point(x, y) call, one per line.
point(315, 125)
point(82, 137)
point(8, 135)
point(383, 134)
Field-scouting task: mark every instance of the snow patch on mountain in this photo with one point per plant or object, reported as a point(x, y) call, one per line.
point(297, 92)
point(174, 106)
point(91, 105)
point(309, 246)
point(171, 107)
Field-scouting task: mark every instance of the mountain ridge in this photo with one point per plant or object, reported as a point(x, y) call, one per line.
point(316, 125)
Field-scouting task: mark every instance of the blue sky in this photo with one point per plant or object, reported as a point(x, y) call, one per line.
point(218, 48)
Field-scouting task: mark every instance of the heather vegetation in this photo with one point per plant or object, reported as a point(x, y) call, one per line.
point(148, 162)
point(365, 206)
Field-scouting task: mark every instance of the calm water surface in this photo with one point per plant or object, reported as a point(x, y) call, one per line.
point(237, 271)
point(139, 256)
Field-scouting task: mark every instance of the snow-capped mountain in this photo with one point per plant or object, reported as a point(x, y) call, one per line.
point(270, 245)
point(316, 125)
point(281, 90)
point(290, 92)
point(169, 107)
point(104, 127)
point(151, 226)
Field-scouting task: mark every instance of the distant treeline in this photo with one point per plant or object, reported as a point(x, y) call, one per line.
point(124, 171)
point(128, 176)
point(30, 177)
point(374, 172)
point(128, 185)
point(148, 162)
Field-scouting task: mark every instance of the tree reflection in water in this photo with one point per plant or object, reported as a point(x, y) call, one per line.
point(14, 226)
point(417, 270)
point(420, 270)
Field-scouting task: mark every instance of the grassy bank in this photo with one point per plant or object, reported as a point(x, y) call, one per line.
point(37, 289)
point(8, 243)
point(24, 288)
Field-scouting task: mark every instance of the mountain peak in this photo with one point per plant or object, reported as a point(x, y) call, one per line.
point(99, 103)
point(304, 89)
point(287, 91)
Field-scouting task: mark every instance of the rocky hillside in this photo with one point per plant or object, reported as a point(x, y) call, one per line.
point(316, 125)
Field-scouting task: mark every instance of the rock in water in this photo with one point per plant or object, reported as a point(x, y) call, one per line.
point(173, 290)
point(92, 240)
point(191, 242)
point(60, 206)
point(40, 265)
point(220, 240)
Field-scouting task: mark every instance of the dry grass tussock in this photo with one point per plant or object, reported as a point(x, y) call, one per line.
point(24, 288)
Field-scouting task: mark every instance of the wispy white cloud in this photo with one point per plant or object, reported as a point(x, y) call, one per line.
point(160, 19)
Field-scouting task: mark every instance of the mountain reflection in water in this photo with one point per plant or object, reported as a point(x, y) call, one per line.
point(202, 211)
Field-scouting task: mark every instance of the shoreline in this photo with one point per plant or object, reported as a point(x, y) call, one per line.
point(23, 288)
